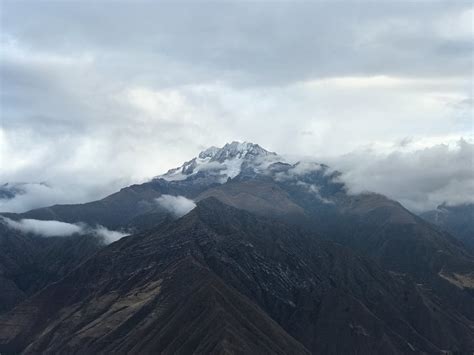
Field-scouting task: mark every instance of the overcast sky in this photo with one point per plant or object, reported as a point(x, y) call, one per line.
point(95, 96)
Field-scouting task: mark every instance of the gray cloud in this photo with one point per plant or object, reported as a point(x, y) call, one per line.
point(36, 195)
point(177, 205)
point(420, 179)
point(44, 228)
point(302, 167)
point(93, 102)
point(53, 228)
point(107, 235)
point(258, 42)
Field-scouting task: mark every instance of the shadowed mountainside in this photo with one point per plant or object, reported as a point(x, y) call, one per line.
point(457, 220)
point(29, 263)
point(219, 280)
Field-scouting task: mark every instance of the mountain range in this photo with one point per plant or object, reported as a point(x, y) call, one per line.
point(238, 251)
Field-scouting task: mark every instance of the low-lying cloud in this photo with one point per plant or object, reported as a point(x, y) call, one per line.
point(27, 196)
point(420, 179)
point(53, 228)
point(176, 205)
point(44, 228)
point(300, 168)
point(22, 197)
point(107, 235)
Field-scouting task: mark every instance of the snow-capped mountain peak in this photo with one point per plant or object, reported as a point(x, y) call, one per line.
point(219, 164)
point(235, 150)
point(249, 160)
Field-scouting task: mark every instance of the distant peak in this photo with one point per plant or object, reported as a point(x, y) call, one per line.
point(234, 150)
point(219, 164)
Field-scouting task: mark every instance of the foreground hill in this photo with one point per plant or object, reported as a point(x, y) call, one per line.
point(222, 280)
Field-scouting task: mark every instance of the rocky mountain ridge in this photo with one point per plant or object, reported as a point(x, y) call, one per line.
point(307, 265)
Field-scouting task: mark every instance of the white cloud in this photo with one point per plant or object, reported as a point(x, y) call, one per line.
point(302, 167)
point(177, 205)
point(36, 195)
point(44, 228)
point(108, 235)
point(314, 189)
point(53, 228)
point(420, 179)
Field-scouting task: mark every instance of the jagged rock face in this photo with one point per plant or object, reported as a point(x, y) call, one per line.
point(216, 165)
point(235, 150)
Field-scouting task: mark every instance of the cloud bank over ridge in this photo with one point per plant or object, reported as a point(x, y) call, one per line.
point(96, 105)
point(420, 179)
point(51, 228)
point(176, 205)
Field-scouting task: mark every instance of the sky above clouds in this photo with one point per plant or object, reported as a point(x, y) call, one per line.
point(98, 95)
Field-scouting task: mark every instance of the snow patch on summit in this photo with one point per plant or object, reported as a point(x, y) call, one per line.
point(219, 164)
point(247, 161)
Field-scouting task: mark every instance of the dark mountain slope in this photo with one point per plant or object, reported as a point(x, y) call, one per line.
point(17, 253)
point(213, 281)
point(382, 221)
point(147, 294)
point(402, 242)
point(119, 209)
point(28, 263)
point(261, 196)
point(333, 274)
point(110, 212)
point(457, 220)
point(369, 223)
